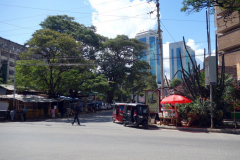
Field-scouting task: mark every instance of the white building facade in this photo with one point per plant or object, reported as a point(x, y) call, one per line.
point(175, 49)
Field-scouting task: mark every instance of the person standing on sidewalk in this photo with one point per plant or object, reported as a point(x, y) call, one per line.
point(24, 113)
point(76, 111)
point(12, 114)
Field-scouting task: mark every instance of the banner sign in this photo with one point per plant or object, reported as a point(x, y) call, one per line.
point(238, 71)
point(152, 100)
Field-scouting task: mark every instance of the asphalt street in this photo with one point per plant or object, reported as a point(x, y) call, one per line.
point(98, 138)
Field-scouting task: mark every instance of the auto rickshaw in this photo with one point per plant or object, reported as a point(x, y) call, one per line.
point(142, 111)
point(117, 112)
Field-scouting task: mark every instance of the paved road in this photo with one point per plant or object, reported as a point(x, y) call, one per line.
point(99, 138)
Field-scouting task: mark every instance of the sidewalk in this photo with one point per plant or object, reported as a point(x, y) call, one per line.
point(194, 129)
point(49, 119)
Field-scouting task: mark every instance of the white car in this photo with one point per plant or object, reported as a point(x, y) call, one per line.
point(106, 106)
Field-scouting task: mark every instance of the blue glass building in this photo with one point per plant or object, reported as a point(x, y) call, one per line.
point(175, 49)
point(150, 37)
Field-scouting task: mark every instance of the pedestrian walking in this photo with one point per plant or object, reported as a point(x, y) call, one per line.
point(24, 113)
point(12, 114)
point(76, 111)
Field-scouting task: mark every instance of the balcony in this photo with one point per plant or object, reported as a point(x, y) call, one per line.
point(229, 41)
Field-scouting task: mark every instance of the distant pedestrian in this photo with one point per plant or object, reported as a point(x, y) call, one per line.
point(12, 114)
point(24, 113)
point(76, 111)
point(135, 115)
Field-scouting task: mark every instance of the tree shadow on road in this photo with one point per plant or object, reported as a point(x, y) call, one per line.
point(101, 117)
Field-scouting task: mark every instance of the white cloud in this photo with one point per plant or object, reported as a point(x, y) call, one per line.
point(111, 19)
point(214, 52)
point(199, 52)
point(86, 2)
point(166, 64)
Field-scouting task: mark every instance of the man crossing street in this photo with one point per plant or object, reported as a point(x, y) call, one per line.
point(76, 111)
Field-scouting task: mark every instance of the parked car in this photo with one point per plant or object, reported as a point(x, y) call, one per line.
point(106, 106)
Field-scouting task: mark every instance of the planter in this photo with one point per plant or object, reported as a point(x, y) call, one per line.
point(185, 123)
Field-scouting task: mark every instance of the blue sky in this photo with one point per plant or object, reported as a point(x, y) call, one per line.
point(20, 19)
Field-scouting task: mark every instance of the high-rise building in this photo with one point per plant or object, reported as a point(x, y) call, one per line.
point(175, 49)
point(150, 37)
point(9, 53)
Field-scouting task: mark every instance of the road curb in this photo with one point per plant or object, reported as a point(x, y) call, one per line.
point(231, 131)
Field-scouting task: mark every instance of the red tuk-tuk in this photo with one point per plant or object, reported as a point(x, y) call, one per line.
point(118, 112)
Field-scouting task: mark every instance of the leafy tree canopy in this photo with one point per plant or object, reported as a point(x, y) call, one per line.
point(117, 59)
point(175, 82)
point(190, 6)
point(86, 35)
point(48, 58)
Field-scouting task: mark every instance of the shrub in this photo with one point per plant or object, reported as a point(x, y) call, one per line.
point(198, 113)
point(175, 82)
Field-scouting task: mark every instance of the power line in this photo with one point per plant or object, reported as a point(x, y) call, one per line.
point(78, 18)
point(55, 10)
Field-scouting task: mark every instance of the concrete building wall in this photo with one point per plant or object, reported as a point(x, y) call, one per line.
point(228, 30)
point(9, 51)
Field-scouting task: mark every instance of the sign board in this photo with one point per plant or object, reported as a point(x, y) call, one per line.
point(210, 70)
point(238, 71)
point(3, 106)
point(152, 100)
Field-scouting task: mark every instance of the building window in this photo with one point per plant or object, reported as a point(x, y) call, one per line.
point(12, 56)
point(144, 58)
point(178, 63)
point(173, 73)
point(11, 64)
point(188, 61)
point(5, 54)
point(152, 55)
point(11, 72)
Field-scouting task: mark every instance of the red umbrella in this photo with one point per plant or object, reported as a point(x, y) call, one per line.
point(175, 99)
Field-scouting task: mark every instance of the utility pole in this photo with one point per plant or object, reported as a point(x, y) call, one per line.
point(209, 53)
point(160, 49)
point(14, 89)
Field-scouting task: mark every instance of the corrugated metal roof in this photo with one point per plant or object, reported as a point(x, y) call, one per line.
point(29, 98)
point(8, 87)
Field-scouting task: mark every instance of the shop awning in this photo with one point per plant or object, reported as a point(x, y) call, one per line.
point(175, 99)
point(29, 98)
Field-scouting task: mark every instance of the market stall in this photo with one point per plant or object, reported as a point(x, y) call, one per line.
point(37, 106)
point(169, 114)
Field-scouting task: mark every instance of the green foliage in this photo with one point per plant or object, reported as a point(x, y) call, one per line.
point(168, 106)
point(86, 35)
point(117, 63)
point(51, 50)
point(191, 6)
point(198, 113)
point(175, 82)
point(3, 71)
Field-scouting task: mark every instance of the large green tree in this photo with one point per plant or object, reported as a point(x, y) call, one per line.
point(79, 80)
point(191, 6)
point(86, 35)
point(50, 55)
point(117, 58)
